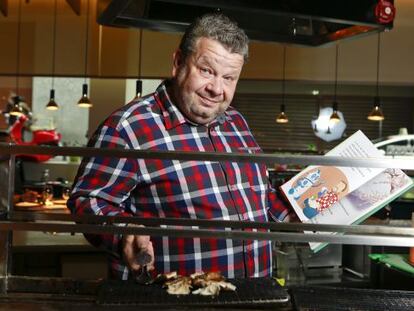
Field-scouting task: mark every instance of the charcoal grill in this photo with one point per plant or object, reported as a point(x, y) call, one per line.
point(251, 292)
point(341, 299)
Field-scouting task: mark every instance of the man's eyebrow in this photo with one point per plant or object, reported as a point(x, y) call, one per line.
point(204, 59)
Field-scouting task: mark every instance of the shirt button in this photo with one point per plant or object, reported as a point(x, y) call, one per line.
point(233, 187)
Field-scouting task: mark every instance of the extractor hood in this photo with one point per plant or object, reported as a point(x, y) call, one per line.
point(303, 22)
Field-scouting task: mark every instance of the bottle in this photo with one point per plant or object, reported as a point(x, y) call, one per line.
point(45, 176)
point(47, 190)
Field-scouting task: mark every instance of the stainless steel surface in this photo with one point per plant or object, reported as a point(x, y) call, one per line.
point(206, 223)
point(403, 237)
point(7, 165)
point(210, 156)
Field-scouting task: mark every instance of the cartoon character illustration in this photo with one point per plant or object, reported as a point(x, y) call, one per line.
point(329, 198)
point(310, 205)
point(304, 183)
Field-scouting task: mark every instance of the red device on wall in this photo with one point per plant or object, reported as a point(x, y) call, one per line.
point(39, 137)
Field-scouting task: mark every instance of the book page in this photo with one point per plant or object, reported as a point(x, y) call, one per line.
point(344, 195)
point(364, 201)
point(318, 188)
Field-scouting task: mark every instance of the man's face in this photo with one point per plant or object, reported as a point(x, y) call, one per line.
point(206, 80)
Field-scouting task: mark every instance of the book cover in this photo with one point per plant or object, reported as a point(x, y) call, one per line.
point(344, 195)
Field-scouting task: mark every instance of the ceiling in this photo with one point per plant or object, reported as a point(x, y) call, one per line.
point(302, 22)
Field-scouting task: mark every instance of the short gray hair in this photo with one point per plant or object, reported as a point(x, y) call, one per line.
point(219, 27)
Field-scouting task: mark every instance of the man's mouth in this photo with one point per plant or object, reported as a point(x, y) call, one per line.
point(208, 102)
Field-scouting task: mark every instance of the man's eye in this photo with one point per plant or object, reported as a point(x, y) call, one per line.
point(205, 71)
point(229, 79)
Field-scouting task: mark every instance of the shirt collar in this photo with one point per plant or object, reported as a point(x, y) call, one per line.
point(173, 117)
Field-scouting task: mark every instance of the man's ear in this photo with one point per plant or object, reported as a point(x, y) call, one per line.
point(177, 62)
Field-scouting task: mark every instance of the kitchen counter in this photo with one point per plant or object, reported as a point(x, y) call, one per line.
point(26, 241)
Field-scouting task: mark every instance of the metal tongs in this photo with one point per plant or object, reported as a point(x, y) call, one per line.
point(143, 276)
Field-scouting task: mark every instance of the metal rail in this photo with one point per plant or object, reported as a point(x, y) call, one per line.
point(209, 156)
point(207, 223)
point(380, 240)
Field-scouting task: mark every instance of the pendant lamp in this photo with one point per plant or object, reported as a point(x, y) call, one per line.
point(282, 117)
point(376, 112)
point(52, 105)
point(335, 116)
point(17, 109)
point(138, 85)
point(84, 101)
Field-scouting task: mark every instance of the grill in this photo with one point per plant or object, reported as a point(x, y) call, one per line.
point(252, 292)
point(341, 299)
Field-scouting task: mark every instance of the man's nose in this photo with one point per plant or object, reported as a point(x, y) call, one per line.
point(215, 86)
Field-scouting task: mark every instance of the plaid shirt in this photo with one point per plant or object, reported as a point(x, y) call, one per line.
point(178, 189)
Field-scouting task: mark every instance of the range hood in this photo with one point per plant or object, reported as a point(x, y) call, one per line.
point(303, 22)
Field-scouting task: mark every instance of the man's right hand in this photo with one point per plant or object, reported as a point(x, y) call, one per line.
point(132, 245)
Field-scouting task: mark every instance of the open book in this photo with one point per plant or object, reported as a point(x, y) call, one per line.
point(344, 195)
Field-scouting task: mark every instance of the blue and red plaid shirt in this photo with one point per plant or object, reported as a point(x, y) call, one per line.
point(178, 189)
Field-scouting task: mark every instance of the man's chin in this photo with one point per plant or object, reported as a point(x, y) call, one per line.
point(202, 118)
point(202, 121)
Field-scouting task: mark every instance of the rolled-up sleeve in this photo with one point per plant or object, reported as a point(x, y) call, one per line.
point(103, 185)
point(278, 210)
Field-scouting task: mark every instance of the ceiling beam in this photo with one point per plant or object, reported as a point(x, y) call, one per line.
point(75, 5)
point(4, 8)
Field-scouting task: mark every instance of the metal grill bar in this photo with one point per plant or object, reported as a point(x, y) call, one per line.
point(383, 240)
point(209, 156)
point(251, 292)
point(207, 223)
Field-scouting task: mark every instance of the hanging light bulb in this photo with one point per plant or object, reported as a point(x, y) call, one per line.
point(282, 117)
point(376, 112)
point(17, 109)
point(84, 101)
point(52, 105)
point(138, 87)
point(335, 116)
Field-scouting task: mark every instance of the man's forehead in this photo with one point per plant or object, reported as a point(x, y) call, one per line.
point(211, 50)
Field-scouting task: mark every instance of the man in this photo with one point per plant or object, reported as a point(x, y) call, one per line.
point(190, 112)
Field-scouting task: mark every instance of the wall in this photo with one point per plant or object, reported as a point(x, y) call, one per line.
point(67, 93)
point(106, 96)
point(114, 52)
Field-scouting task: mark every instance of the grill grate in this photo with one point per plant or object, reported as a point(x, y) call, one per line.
point(257, 291)
point(341, 299)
